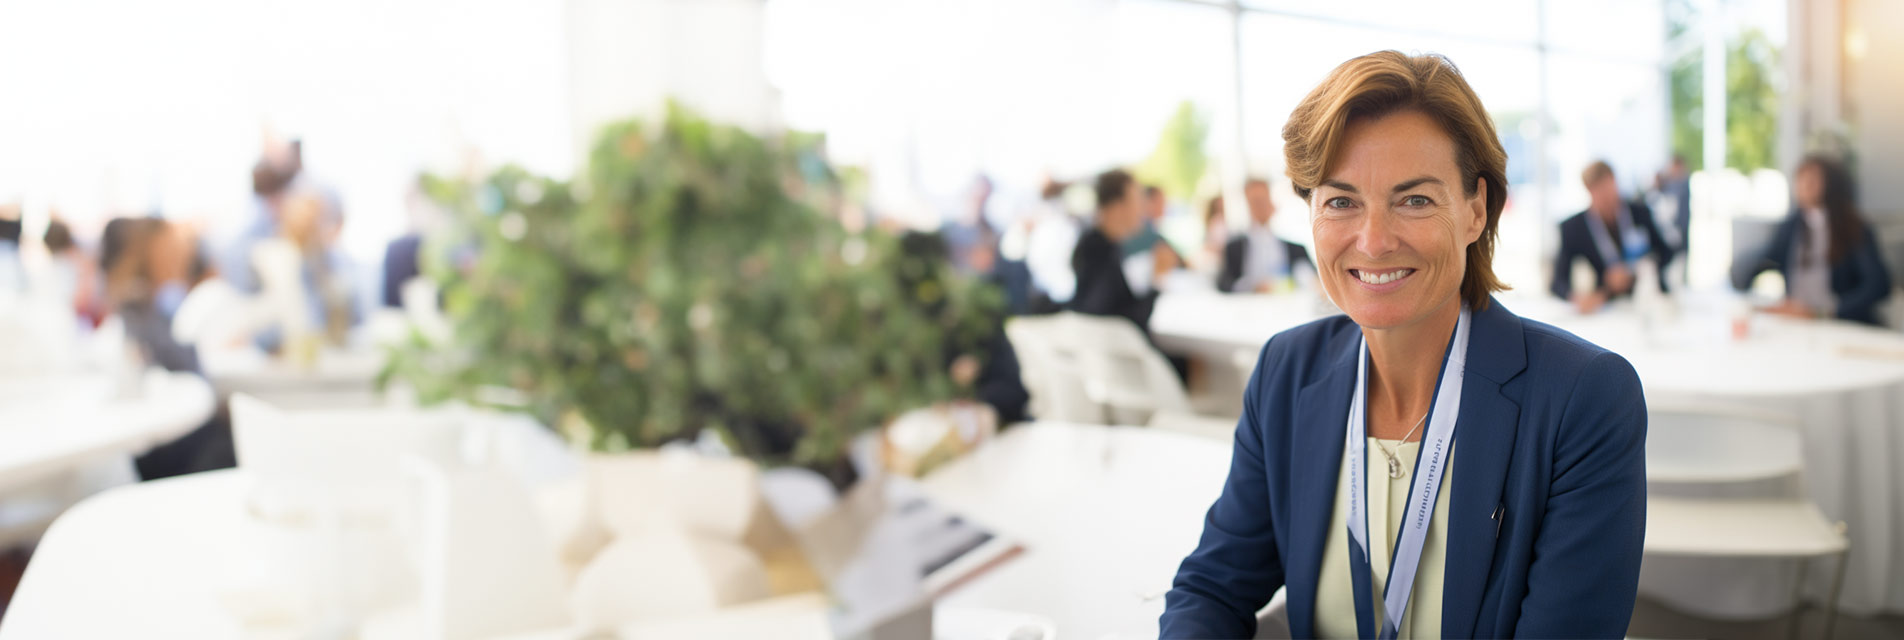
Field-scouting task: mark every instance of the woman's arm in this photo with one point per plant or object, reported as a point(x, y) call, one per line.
point(1873, 281)
point(1587, 557)
point(1237, 566)
point(1770, 257)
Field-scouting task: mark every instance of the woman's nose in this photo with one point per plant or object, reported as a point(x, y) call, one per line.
point(1376, 235)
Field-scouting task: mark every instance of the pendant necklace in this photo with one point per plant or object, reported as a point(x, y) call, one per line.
point(1395, 462)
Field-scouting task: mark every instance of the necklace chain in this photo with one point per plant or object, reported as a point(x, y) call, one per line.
point(1394, 457)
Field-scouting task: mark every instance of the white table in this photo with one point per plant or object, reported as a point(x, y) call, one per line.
point(54, 423)
point(1844, 382)
point(338, 377)
point(1105, 515)
point(63, 436)
point(172, 558)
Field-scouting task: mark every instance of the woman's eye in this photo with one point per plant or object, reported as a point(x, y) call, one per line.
point(1338, 202)
point(1417, 201)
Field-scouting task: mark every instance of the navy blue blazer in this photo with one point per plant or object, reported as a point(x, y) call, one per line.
point(1860, 280)
point(1551, 437)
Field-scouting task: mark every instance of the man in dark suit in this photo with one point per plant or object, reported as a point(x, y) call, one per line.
point(1256, 260)
point(1611, 235)
point(1098, 259)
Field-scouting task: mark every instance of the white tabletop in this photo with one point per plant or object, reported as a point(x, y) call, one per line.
point(56, 423)
point(1691, 354)
point(136, 561)
point(1105, 515)
point(347, 374)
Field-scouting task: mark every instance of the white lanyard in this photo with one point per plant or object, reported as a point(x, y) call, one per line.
point(1632, 238)
point(1429, 468)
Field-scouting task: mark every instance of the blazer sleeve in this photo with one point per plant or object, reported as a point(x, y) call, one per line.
point(1237, 566)
point(1586, 565)
point(1562, 283)
point(1770, 257)
point(1873, 286)
point(1234, 253)
point(1663, 251)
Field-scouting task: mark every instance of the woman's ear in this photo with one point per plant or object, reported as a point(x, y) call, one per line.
point(1477, 210)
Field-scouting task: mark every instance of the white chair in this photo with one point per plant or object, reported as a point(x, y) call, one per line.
point(1048, 365)
point(1121, 371)
point(1719, 445)
point(335, 462)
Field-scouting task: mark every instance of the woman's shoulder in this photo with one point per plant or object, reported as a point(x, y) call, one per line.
point(1569, 365)
point(1303, 348)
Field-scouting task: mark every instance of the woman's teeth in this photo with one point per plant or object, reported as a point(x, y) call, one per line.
point(1383, 278)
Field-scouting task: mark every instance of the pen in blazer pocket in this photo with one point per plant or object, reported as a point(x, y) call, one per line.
point(1500, 513)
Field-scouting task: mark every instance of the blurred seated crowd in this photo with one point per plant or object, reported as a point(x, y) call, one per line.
point(277, 283)
point(1113, 260)
point(171, 285)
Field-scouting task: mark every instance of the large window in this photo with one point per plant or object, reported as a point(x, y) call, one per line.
point(926, 95)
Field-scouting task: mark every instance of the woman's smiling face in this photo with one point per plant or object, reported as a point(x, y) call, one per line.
point(1393, 221)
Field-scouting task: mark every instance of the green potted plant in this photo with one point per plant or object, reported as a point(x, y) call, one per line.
point(694, 280)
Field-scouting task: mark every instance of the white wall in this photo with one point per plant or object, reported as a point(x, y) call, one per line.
point(1878, 100)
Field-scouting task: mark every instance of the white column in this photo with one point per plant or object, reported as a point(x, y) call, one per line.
point(1715, 84)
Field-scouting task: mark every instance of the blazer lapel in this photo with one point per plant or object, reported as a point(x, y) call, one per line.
point(1321, 413)
point(1484, 445)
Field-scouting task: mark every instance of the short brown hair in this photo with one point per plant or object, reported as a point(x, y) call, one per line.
point(1111, 187)
point(1596, 172)
point(1387, 82)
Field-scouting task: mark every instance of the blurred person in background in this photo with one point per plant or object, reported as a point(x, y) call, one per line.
point(967, 233)
point(1103, 287)
point(401, 258)
point(1105, 276)
point(975, 247)
point(313, 228)
point(1611, 235)
point(72, 276)
point(1216, 234)
point(271, 179)
point(1148, 237)
point(1674, 187)
point(1256, 260)
point(1826, 251)
point(12, 276)
point(1049, 245)
point(143, 259)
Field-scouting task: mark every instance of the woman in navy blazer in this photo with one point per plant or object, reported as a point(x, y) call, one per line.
point(1826, 228)
point(1545, 504)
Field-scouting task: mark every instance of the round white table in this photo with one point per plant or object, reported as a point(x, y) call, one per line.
point(337, 377)
point(1105, 515)
point(55, 423)
point(1844, 382)
point(181, 557)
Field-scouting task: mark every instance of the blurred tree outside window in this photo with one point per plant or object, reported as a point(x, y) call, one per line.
point(1752, 90)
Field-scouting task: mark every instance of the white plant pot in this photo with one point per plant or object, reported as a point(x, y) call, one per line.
point(664, 574)
point(645, 491)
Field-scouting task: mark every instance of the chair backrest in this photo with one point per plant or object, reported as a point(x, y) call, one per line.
point(330, 462)
point(1120, 369)
point(1698, 443)
point(1048, 365)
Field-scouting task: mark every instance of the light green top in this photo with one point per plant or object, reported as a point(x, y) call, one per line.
point(1335, 599)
